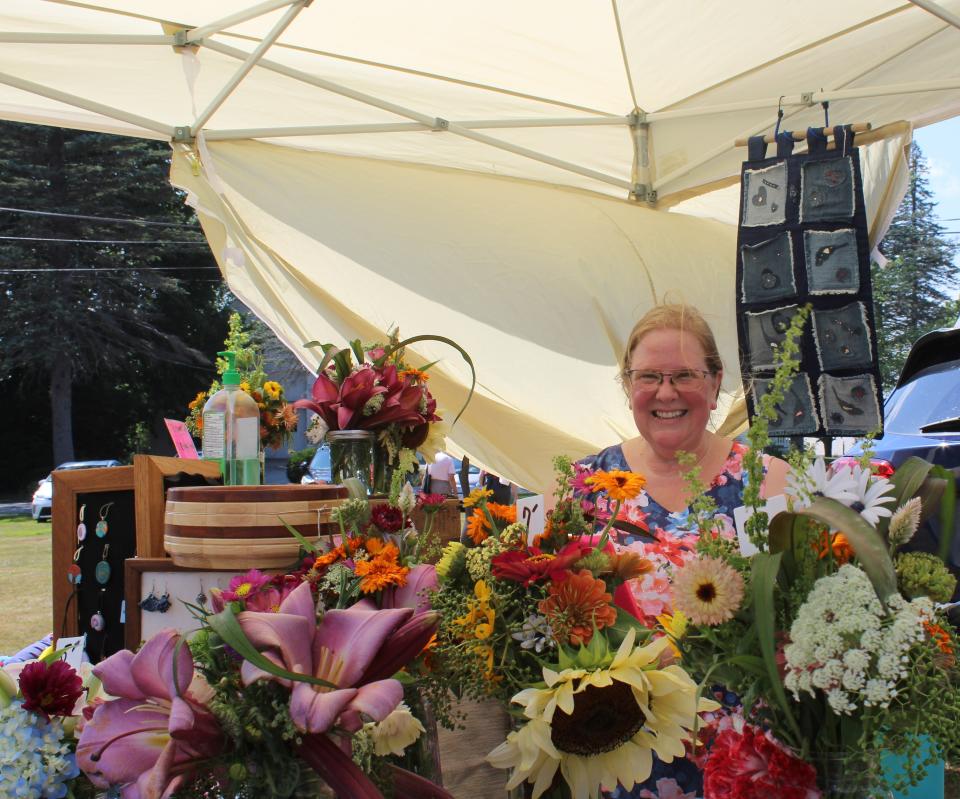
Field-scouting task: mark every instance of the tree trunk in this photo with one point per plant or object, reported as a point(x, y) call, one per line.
point(61, 410)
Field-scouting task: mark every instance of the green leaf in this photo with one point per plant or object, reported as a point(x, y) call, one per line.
point(451, 343)
point(226, 625)
point(752, 663)
point(357, 346)
point(765, 567)
point(297, 534)
point(624, 623)
point(908, 478)
point(948, 508)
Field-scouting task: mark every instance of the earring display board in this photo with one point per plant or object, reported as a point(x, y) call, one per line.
point(803, 239)
point(153, 475)
point(158, 593)
point(94, 532)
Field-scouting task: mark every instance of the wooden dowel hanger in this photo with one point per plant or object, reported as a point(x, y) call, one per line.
point(801, 135)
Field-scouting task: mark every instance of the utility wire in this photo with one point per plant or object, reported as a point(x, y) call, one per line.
point(97, 241)
point(129, 221)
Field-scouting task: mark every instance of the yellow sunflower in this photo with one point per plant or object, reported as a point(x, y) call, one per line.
point(599, 726)
point(475, 496)
point(618, 484)
point(272, 389)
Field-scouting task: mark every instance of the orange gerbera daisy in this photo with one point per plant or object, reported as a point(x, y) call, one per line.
point(331, 556)
point(577, 605)
point(506, 513)
point(478, 526)
point(416, 374)
point(618, 484)
point(380, 572)
point(626, 565)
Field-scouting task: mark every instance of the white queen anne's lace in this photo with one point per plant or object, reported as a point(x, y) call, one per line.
point(845, 644)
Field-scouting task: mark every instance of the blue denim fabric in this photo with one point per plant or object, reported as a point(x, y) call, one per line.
point(765, 196)
point(849, 404)
point(765, 332)
point(768, 270)
point(842, 338)
point(833, 265)
point(827, 190)
point(795, 414)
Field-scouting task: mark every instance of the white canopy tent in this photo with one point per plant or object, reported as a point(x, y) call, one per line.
point(526, 178)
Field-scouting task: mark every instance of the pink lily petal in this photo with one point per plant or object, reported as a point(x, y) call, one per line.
point(116, 676)
point(336, 768)
point(154, 784)
point(282, 631)
point(415, 593)
point(300, 602)
point(153, 666)
point(316, 711)
point(377, 700)
point(126, 736)
point(404, 645)
point(324, 389)
point(181, 716)
point(250, 673)
point(355, 636)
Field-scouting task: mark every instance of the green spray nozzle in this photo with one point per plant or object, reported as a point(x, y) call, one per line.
point(231, 377)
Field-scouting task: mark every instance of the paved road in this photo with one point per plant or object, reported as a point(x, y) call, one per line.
point(8, 509)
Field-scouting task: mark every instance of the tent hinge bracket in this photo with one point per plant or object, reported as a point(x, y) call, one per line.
point(636, 118)
point(183, 134)
point(807, 98)
point(643, 192)
point(180, 38)
point(439, 123)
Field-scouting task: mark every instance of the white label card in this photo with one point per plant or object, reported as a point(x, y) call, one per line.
point(740, 515)
point(530, 512)
point(74, 650)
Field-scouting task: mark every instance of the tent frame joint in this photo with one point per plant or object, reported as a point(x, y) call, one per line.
point(182, 134)
point(440, 124)
point(806, 98)
point(180, 38)
point(636, 118)
point(643, 193)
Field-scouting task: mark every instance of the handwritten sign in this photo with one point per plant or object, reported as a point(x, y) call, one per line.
point(182, 439)
point(530, 512)
point(742, 513)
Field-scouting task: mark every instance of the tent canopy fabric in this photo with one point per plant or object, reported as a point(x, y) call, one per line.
point(500, 174)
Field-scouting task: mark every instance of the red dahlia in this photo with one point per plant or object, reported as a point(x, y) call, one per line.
point(388, 519)
point(50, 689)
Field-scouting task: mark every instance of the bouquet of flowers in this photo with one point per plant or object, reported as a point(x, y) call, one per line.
point(553, 628)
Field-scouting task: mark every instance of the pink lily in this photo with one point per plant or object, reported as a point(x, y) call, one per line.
point(158, 730)
point(342, 650)
point(415, 593)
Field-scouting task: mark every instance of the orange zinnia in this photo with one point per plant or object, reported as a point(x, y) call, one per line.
point(618, 484)
point(380, 572)
point(416, 374)
point(576, 606)
point(332, 556)
point(478, 527)
point(506, 513)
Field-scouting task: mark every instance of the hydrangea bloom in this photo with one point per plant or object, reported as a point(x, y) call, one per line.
point(34, 760)
point(845, 644)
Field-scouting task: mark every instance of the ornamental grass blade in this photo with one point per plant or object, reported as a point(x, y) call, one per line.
point(787, 533)
point(226, 625)
point(764, 568)
point(868, 544)
point(298, 535)
point(451, 343)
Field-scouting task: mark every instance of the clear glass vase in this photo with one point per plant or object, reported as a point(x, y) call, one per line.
point(851, 776)
point(351, 455)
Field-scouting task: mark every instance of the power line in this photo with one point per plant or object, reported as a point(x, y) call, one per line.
point(97, 241)
point(124, 220)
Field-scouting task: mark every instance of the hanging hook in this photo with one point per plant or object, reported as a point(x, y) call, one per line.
point(826, 111)
point(776, 130)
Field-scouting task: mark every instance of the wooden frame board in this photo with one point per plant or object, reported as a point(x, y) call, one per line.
point(160, 576)
point(150, 475)
point(67, 485)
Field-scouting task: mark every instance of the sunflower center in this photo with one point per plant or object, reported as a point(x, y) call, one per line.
point(706, 592)
point(603, 719)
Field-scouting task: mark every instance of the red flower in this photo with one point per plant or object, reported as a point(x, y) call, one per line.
point(50, 689)
point(388, 519)
point(752, 764)
point(430, 502)
point(526, 566)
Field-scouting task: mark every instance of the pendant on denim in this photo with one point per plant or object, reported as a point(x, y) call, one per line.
point(765, 333)
point(765, 196)
point(795, 414)
point(849, 403)
point(827, 189)
point(832, 261)
point(842, 338)
point(768, 270)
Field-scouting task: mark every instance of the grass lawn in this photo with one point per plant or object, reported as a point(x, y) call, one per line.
point(26, 600)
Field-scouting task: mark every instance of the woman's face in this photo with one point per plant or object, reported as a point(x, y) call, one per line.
point(669, 418)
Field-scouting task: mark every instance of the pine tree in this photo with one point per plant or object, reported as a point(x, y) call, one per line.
point(914, 293)
point(109, 320)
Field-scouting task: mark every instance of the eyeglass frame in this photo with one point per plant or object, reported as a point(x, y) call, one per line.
point(704, 374)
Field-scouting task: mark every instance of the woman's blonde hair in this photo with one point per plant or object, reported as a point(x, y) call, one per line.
point(674, 316)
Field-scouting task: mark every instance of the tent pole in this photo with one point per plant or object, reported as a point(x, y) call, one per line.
point(938, 11)
point(194, 35)
point(8, 37)
point(248, 64)
point(89, 105)
point(434, 123)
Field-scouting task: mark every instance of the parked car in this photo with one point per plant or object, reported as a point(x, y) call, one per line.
point(922, 415)
point(42, 503)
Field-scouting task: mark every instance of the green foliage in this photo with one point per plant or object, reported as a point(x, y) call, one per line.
point(913, 294)
point(298, 462)
point(923, 574)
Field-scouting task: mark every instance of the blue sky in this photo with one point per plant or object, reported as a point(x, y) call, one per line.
point(939, 144)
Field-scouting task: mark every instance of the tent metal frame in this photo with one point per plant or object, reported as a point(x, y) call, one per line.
point(639, 186)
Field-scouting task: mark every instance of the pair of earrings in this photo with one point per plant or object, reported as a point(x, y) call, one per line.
point(156, 604)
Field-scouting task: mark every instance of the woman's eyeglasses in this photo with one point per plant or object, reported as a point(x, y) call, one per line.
point(650, 380)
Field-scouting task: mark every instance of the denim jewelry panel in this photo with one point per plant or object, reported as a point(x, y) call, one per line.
point(803, 240)
point(831, 260)
point(841, 337)
point(827, 190)
point(796, 414)
point(768, 270)
point(850, 403)
point(765, 196)
point(766, 332)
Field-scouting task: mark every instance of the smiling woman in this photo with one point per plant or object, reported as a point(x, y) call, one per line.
point(671, 374)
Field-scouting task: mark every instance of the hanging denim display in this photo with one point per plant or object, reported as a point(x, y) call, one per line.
point(803, 239)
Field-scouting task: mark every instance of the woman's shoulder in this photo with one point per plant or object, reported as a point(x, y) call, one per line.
point(606, 459)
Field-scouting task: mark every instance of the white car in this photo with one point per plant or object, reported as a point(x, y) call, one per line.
point(42, 503)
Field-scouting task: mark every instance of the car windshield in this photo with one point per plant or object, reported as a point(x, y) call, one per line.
point(931, 396)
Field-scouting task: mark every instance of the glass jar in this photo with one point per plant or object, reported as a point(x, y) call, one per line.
point(351, 455)
point(851, 776)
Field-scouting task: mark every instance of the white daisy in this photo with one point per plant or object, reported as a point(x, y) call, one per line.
point(870, 499)
point(819, 481)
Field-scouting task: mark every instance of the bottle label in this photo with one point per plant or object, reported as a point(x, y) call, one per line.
point(247, 437)
point(213, 435)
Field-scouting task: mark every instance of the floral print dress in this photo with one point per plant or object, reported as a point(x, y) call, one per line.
point(670, 540)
